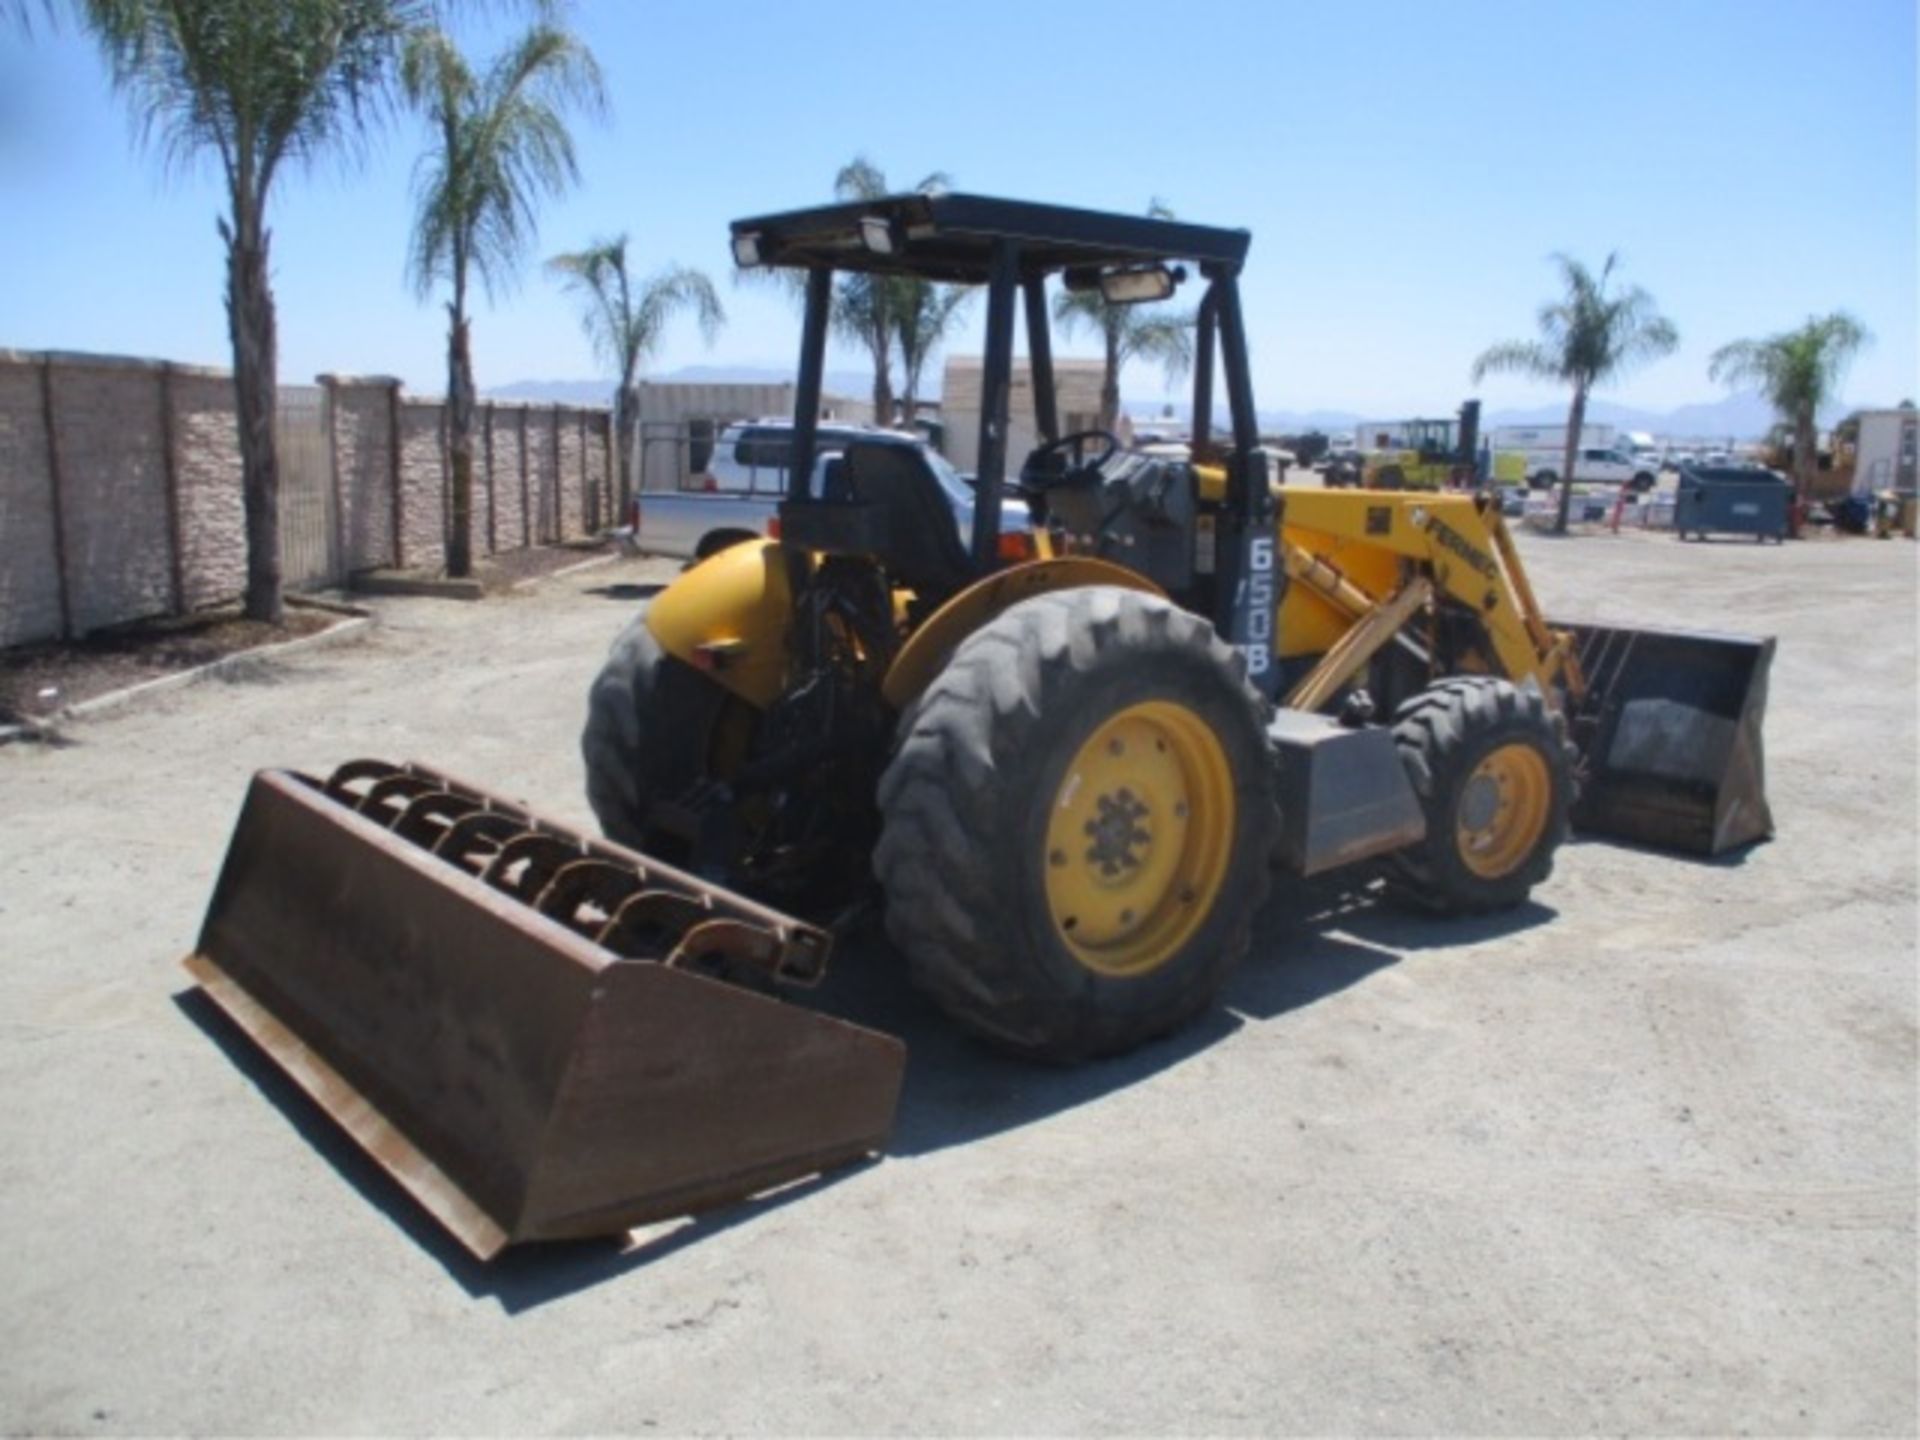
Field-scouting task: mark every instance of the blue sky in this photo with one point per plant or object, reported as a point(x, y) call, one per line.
point(1406, 169)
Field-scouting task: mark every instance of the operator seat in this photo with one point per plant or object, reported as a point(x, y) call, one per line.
point(922, 549)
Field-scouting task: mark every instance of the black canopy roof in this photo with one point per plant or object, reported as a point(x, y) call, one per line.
point(951, 237)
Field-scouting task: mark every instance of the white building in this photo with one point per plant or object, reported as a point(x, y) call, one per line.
point(678, 422)
point(1885, 456)
point(1076, 388)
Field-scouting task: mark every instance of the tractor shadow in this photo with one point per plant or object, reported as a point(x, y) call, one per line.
point(1311, 941)
point(626, 590)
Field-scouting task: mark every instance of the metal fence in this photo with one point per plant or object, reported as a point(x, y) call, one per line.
point(309, 527)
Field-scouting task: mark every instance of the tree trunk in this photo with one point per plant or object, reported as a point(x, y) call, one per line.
point(1804, 457)
point(460, 443)
point(1576, 422)
point(623, 427)
point(1110, 388)
point(256, 395)
point(882, 379)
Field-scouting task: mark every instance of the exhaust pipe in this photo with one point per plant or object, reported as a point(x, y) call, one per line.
point(1669, 732)
point(538, 1035)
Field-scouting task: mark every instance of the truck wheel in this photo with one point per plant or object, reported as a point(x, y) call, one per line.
point(1491, 767)
point(1077, 820)
point(650, 723)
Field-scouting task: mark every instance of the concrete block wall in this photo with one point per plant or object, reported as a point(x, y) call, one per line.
point(109, 440)
point(30, 597)
point(504, 426)
point(212, 524)
point(424, 484)
point(543, 472)
point(544, 478)
point(360, 417)
point(130, 504)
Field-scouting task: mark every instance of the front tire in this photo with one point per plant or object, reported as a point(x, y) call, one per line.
point(1490, 766)
point(1077, 822)
point(650, 723)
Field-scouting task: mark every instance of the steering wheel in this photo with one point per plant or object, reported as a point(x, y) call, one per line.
point(1047, 468)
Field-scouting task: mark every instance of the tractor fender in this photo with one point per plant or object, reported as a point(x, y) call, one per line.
point(728, 617)
point(927, 650)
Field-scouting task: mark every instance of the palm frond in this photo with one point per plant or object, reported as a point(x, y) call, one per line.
point(253, 84)
point(501, 146)
point(598, 275)
point(859, 179)
point(924, 315)
point(1517, 357)
point(1589, 334)
point(667, 293)
point(1797, 370)
point(1164, 340)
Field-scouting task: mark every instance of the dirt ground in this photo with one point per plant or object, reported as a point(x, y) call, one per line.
point(1638, 1158)
point(38, 680)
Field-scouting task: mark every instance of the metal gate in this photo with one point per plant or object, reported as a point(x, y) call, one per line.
point(309, 531)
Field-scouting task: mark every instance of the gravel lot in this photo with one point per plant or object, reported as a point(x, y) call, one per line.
point(1639, 1158)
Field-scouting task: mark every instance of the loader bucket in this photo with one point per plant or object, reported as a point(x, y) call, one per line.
point(538, 1035)
point(1669, 736)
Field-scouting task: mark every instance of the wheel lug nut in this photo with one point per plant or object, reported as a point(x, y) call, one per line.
point(1057, 857)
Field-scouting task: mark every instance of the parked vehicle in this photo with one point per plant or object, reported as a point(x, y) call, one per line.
point(739, 496)
point(1591, 467)
point(1551, 438)
point(1066, 783)
point(751, 457)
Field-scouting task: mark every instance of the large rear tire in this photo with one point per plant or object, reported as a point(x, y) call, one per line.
point(1490, 765)
point(650, 721)
point(1077, 820)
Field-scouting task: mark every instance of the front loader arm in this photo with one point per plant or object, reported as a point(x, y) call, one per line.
point(1357, 550)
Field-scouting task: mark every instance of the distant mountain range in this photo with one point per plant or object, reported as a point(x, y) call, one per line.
point(1736, 417)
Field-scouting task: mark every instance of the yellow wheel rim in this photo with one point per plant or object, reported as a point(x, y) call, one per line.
point(1139, 838)
point(1503, 810)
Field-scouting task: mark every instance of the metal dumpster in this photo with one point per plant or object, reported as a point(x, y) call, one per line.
point(1732, 500)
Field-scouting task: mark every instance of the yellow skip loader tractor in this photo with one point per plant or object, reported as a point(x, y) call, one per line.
point(1070, 756)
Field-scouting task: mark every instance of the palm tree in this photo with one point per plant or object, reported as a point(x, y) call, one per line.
point(257, 85)
point(1588, 338)
point(625, 326)
point(499, 145)
point(924, 315)
point(1798, 371)
point(1128, 332)
point(866, 308)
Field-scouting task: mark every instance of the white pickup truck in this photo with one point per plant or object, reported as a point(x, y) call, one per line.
point(1591, 466)
point(737, 497)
